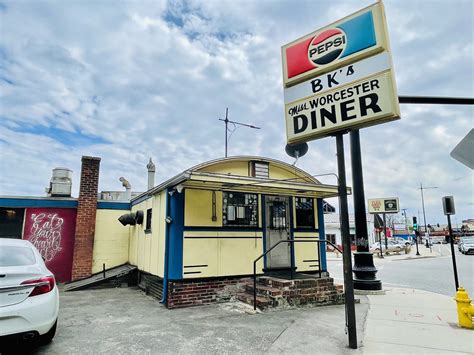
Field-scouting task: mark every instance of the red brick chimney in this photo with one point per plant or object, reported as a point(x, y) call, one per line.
point(85, 222)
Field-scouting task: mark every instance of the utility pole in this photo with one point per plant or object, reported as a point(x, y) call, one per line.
point(423, 206)
point(227, 121)
point(404, 213)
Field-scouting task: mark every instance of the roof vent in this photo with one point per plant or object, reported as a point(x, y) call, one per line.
point(61, 183)
point(259, 169)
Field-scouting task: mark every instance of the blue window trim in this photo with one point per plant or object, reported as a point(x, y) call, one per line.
point(292, 231)
point(221, 229)
point(264, 229)
point(322, 236)
point(175, 238)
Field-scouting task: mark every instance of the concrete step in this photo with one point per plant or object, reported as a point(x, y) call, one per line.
point(262, 302)
point(264, 290)
point(274, 282)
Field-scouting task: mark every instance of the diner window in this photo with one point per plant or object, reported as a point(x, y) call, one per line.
point(304, 212)
point(148, 220)
point(239, 209)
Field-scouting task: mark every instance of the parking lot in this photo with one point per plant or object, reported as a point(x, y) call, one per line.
point(125, 320)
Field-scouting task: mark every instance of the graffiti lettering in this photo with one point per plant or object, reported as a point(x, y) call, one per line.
point(46, 234)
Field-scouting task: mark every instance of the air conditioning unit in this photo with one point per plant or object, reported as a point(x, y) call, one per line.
point(61, 183)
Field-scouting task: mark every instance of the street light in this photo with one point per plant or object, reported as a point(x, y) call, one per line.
point(423, 205)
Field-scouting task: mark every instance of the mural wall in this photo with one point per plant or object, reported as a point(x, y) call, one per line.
point(51, 230)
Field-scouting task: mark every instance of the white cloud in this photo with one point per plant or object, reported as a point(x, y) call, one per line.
point(139, 79)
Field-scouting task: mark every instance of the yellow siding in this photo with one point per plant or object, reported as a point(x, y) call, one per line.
point(236, 256)
point(147, 250)
point(306, 254)
point(240, 168)
point(110, 240)
point(198, 208)
point(201, 252)
point(224, 256)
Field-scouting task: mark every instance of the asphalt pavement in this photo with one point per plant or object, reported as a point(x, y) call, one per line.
point(432, 272)
point(126, 321)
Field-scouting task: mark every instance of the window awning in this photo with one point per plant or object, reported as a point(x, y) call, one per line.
point(293, 187)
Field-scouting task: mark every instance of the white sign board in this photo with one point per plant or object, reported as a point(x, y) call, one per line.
point(339, 77)
point(384, 205)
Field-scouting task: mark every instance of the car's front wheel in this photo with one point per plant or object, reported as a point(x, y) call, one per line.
point(48, 337)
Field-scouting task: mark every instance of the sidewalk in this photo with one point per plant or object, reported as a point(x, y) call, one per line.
point(409, 321)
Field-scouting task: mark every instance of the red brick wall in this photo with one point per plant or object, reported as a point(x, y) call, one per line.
point(85, 222)
point(201, 292)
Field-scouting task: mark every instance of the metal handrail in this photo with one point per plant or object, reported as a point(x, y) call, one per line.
point(273, 247)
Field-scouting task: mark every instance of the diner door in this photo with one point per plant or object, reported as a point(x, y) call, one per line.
point(277, 212)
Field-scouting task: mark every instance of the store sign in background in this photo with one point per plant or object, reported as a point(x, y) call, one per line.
point(384, 205)
point(51, 231)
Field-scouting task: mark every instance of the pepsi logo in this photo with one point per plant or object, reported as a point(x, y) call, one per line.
point(327, 46)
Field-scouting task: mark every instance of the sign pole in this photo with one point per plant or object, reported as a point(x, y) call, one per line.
point(364, 268)
point(346, 244)
point(451, 241)
point(385, 233)
point(449, 209)
point(380, 244)
point(416, 242)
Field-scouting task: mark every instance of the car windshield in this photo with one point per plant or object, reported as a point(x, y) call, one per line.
point(16, 256)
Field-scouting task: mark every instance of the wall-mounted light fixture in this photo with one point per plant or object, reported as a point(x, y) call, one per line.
point(178, 188)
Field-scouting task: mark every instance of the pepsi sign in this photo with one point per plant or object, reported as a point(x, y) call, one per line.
point(327, 46)
point(355, 37)
point(339, 78)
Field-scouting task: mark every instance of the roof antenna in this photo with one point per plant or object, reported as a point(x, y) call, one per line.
point(227, 121)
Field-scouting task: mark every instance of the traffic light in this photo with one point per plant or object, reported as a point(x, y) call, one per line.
point(415, 224)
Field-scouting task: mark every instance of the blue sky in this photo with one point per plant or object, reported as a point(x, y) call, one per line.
point(126, 80)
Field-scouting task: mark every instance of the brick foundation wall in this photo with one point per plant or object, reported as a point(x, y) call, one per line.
point(85, 221)
point(201, 292)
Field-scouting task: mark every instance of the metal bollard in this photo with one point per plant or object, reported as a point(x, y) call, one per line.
point(465, 309)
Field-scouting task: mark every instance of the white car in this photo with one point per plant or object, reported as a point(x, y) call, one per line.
point(467, 245)
point(392, 247)
point(29, 297)
point(402, 241)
